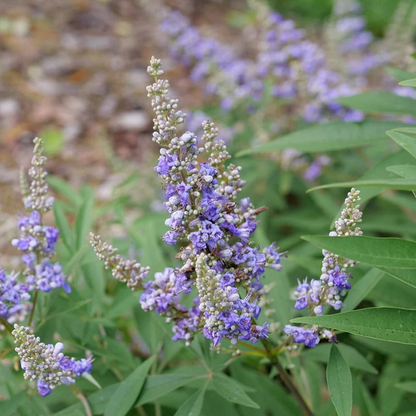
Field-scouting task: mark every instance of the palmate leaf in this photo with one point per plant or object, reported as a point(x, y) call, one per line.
point(125, 396)
point(339, 381)
point(193, 406)
point(380, 102)
point(159, 385)
point(232, 391)
point(378, 252)
point(386, 324)
point(329, 137)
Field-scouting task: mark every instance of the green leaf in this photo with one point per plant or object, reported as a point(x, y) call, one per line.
point(64, 189)
point(361, 289)
point(399, 184)
point(226, 387)
point(380, 102)
point(386, 324)
point(399, 74)
point(8, 407)
point(350, 354)
point(328, 137)
point(146, 236)
point(377, 252)
point(404, 275)
point(98, 402)
point(404, 140)
point(409, 83)
point(62, 223)
point(193, 406)
point(409, 386)
point(83, 222)
point(339, 381)
point(160, 385)
point(76, 259)
point(53, 141)
point(405, 171)
point(125, 396)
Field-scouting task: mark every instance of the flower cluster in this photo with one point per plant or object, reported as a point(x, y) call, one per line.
point(299, 71)
point(37, 241)
point(333, 282)
point(127, 271)
point(225, 74)
point(219, 260)
point(47, 363)
point(351, 42)
point(12, 295)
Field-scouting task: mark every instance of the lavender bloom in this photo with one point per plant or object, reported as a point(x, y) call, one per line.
point(12, 297)
point(47, 276)
point(47, 362)
point(37, 241)
point(301, 335)
point(334, 282)
point(351, 43)
point(218, 257)
point(226, 75)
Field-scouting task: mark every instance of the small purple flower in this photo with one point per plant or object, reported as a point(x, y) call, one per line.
point(43, 388)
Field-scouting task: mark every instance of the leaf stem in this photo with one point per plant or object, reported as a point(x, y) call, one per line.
point(78, 393)
point(286, 379)
point(6, 325)
point(32, 313)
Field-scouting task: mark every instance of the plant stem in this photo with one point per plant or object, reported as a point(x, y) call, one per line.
point(82, 399)
point(287, 381)
point(6, 325)
point(32, 314)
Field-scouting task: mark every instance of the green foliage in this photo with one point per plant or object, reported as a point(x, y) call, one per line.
point(125, 396)
point(377, 252)
point(338, 376)
point(386, 324)
point(328, 137)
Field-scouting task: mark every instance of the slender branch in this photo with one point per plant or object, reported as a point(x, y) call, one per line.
point(6, 325)
point(252, 347)
point(287, 381)
point(32, 313)
point(82, 399)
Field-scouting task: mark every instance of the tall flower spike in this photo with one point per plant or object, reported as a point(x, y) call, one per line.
point(46, 363)
point(334, 281)
point(37, 241)
point(219, 260)
point(37, 198)
point(129, 271)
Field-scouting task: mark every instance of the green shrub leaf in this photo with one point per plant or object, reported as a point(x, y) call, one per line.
point(380, 102)
point(193, 406)
point(339, 381)
point(386, 324)
point(328, 137)
point(125, 396)
point(377, 252)
point(232, 391)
